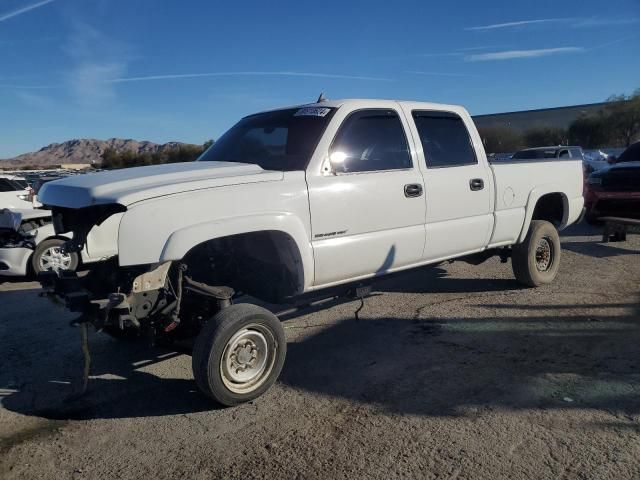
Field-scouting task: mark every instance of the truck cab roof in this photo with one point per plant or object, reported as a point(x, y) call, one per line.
point(357, 103)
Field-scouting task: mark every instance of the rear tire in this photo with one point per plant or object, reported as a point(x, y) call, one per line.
point(536, 261)
point(47, 257)
point(239, 354)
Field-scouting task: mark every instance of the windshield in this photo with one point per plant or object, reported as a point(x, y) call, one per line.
point(535, 154)
point(281, 140)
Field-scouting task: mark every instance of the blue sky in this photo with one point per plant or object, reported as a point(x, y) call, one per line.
point(165, 70)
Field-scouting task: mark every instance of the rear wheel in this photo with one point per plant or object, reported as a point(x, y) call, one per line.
point(48, 257)
point(536, 261)
point(239, 354)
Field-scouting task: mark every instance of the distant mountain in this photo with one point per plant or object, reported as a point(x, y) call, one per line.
point(84, 151)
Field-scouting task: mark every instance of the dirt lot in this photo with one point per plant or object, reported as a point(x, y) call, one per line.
point(452, 372)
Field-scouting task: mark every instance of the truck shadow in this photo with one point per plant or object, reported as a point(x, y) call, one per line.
point(435, 279)
point(447, 366)
point(42, 366)
point(598, 250)
point(512, 355)
point(118, 387)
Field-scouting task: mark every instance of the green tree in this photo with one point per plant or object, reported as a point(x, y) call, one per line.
point(500, 139)
point(180, 153)
point(590, 131)
point(623, 115)
point(543, 136)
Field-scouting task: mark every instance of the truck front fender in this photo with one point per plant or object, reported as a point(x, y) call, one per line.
point(184, 239)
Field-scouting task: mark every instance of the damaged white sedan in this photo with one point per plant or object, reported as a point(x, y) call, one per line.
point(30, 245)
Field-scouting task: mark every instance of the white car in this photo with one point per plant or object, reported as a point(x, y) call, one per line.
point(29, 244)
point(295, 204)
point(14, 192)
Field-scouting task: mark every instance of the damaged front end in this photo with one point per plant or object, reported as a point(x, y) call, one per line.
point(156, 301)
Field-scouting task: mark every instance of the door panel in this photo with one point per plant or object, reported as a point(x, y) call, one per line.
point(368, 217)
point(458, 184)
point(364, 224)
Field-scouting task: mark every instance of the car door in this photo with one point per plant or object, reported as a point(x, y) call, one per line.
point(458, 184)
point(367, 204)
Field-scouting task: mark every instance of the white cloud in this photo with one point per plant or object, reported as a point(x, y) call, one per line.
point(520, 23)
point(97, 61)
point(177, 76)
point(512, 54)
point(33, 100)
point(441, 74)
point(22, 10)
point(573, 22)
point(603, 22)
point(92, 83)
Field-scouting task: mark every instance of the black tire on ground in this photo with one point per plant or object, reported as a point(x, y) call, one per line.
point(239, 354)
point(536, 261)
point(47, 253)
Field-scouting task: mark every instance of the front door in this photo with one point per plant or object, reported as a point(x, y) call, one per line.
point(368, 215)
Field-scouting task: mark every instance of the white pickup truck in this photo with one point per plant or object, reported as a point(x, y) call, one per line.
point(288, 204)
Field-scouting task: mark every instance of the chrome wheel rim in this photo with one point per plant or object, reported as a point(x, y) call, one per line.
point(248, 358)
point(52, 259)
point(544, 254)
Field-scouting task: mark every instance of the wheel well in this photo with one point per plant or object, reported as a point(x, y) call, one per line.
point(265, 264)
point(550, 207)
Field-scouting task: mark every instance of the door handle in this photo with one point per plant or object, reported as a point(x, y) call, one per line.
point(412, 190)
point(476, 184)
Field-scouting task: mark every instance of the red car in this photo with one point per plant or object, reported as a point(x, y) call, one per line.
point(614, 191)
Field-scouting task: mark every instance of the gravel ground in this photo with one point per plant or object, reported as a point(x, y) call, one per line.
point(452, 372)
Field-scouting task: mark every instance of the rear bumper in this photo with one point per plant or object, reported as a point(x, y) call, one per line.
point(14, 261)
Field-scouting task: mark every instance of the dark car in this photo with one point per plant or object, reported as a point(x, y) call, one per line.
point(542, 153)
point(614, 191)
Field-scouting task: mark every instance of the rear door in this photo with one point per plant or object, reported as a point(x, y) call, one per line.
point(367, 214)
point(458, 184)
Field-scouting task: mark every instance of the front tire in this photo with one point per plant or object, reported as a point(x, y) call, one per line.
point(48, 257)
point(536, 261)
point(239, 354)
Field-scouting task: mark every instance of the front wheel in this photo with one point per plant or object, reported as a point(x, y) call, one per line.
point(239, 354)
point(536, 261)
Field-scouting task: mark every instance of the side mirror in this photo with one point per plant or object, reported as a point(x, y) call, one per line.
point(612, 159)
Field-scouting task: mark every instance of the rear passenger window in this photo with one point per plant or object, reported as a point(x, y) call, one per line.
point(563, 154)
point(445, 139)
point(370, 140)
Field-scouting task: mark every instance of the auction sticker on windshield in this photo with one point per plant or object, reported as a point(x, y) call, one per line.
point(312, 112)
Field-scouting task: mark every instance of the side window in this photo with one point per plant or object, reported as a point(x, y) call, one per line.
point(370, 140)
point(563, 154)
point(445, 139)
point(6, 186)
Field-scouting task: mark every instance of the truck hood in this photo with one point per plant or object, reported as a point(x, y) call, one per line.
point(131, 185)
